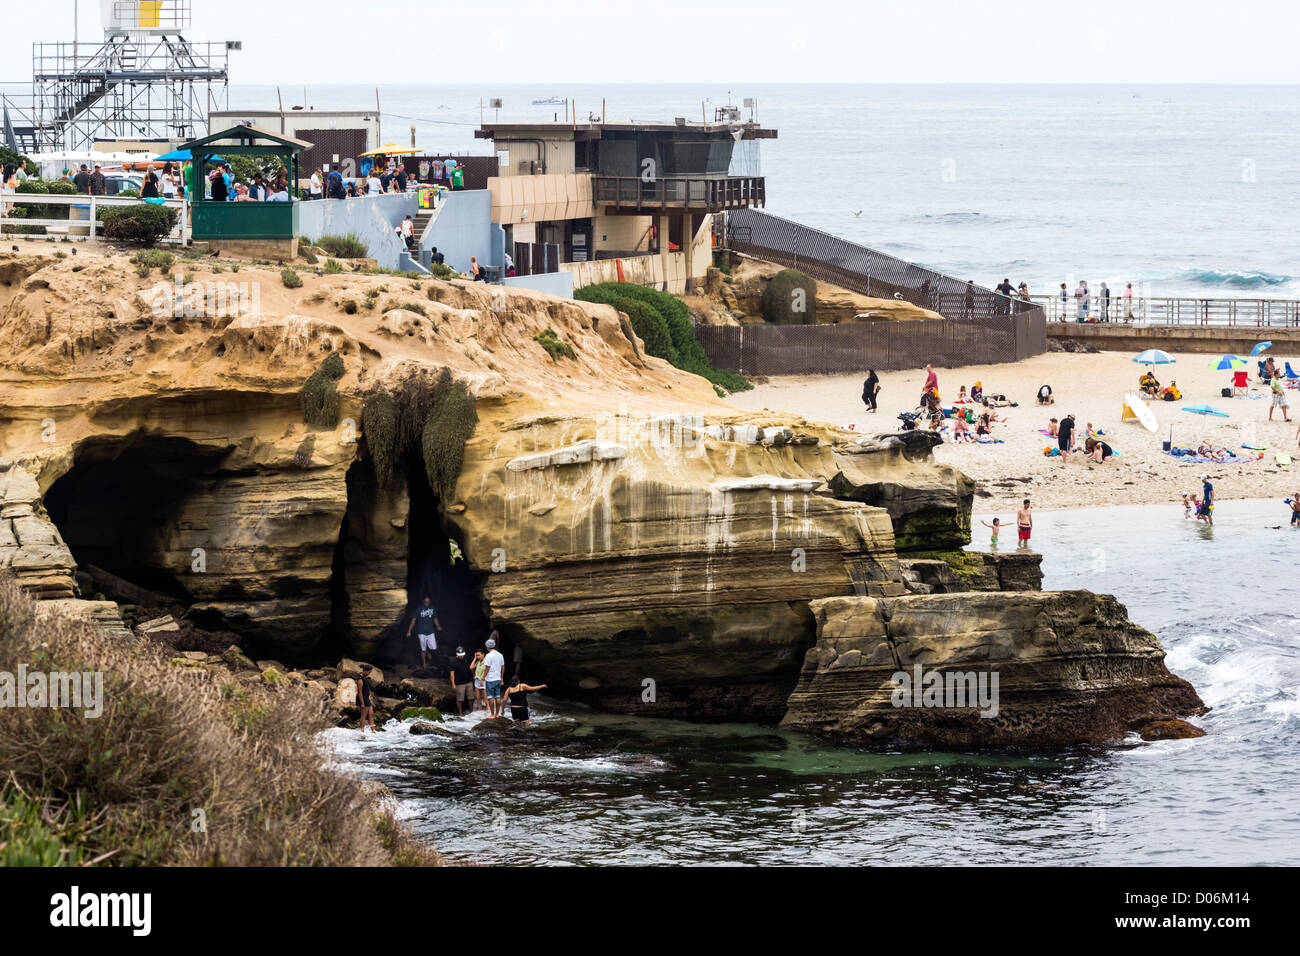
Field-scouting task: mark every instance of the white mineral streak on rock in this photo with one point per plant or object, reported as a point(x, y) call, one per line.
point(582, 453)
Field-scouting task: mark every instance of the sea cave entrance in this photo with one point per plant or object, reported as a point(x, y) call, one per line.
point(118, 504)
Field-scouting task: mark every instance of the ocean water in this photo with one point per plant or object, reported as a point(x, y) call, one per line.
point(620, 790)
point(1181, 190)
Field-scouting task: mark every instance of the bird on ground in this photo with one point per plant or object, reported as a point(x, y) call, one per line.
point(15, 248)
point(857, 214)
point(214, 253)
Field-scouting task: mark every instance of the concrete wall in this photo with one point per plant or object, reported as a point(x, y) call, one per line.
point(641, 270)
point(622, 233)
point(552, 283)
point(464, 228)
point(1210, 339)
point(372, 218)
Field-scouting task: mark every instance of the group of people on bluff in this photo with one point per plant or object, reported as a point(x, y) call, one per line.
point(478, 682)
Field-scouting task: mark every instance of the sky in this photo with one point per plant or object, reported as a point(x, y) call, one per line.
point(718, 41)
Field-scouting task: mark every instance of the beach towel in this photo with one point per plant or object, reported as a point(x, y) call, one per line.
point(1187, 456)
point(1283, 459)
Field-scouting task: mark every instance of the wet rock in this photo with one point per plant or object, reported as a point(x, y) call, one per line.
point(345, 695)
point(493, 725)
point(1164, 727)
point(424, 728)
point(158, 625)
point(419, 713)
point(1070, 668)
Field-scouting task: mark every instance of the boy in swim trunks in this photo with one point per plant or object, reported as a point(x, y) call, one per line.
point(996, 526)
point(1024, 524)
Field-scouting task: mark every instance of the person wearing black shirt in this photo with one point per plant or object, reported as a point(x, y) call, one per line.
point(82, 180)
point(1065, 436)
point(461, 675)
point(870, 388)
point(365, 697)
point(426, 616)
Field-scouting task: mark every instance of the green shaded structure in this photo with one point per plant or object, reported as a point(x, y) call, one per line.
point(222, 220)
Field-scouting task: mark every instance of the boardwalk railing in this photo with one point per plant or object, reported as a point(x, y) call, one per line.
point(1165, 310)
point(85, 225)
point(979, 326)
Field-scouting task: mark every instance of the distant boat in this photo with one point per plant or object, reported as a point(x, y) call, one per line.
point(550, 101)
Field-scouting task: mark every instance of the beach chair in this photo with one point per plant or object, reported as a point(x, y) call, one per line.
point(1290, 374)
point(1240, 382)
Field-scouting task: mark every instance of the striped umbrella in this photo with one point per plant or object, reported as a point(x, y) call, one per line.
point(1227, 363)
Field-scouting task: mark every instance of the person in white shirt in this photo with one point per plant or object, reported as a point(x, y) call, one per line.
point(407, 229)
point(317, 188)
point(373, 186)
point(496, 665)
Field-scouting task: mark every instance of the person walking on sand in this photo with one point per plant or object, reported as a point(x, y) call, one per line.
point(1024, 524)
point(1065, 436)
point(365, 697)
point(517, 697)
point(870, 389)
point(1279, 397)
point(425, 622)
point(995, 527)
point(931, 380)
point(496, 665)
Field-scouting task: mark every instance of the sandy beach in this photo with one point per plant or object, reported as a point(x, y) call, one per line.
point(1091, 386)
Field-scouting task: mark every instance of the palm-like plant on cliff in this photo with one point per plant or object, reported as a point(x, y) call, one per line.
point(449, 427)
point(319, 395)
point(379, 419)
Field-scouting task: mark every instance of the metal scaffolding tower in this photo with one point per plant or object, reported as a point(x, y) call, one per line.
point(144, 81)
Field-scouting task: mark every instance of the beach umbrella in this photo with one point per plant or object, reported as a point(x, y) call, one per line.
point(1261, 347)
point(1205, 410)
point(1226, 363)
point(175, 156)
point(1155, 357)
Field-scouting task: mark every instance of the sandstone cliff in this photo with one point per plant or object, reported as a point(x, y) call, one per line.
point(648, 547)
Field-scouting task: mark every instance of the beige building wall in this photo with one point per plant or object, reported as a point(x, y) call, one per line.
point(519, 199)
point(622, 233)
point(557, 152)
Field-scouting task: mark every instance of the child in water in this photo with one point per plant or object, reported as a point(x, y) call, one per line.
point(1187, 505)
point(996, 526)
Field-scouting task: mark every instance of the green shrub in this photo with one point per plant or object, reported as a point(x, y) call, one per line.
point(319, 395)
point(379, 425)
point(142, 271)
point(413, 307)
point(349, 246)
point(414, 400)
point(25, 229)
point(555, 346)
point(154, 259)
point(332, 267)
point(123, 786)
point(790, 298)
point(130, 192)
point(651, 327)
point(690, 354)
point(143, 223)
point(440, 270)
point(290, 278)
point(450, 426)
point(34, 210)
point(9, 158)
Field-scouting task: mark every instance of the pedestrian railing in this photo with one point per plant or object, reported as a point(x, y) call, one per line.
point(82, 216)
point(1169, 310)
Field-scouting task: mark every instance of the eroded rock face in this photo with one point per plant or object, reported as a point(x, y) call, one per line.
point(930, 504)
point(1070, 669)
point(30, 544)
point(672, 579)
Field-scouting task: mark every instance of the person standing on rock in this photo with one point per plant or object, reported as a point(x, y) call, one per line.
point(480, 682)
point(461, 674)
point(426, 617)
point(496, 665)
point(1024, 524)
point(366, 699)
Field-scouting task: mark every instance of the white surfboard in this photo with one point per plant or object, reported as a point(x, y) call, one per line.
point(1142, 410)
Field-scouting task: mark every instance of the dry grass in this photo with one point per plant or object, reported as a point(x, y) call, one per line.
point(173, 741)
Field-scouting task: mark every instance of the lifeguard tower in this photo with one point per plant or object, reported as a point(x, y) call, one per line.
point(143, 81)
point(259, 229)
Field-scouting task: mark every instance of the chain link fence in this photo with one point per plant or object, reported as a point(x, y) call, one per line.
point(979, 326)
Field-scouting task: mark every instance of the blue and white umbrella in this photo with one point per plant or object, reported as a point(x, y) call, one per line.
point(1155, 357)
point(1205, 410)
point(1261, 347)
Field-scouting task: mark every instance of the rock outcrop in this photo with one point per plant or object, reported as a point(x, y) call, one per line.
point(649, 548)
point(1031, 669)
